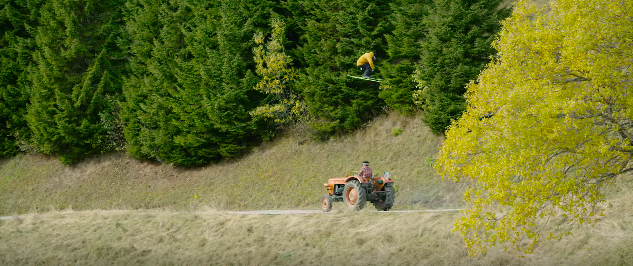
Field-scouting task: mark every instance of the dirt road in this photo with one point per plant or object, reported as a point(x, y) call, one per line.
point(287, 212)
point(278, 212)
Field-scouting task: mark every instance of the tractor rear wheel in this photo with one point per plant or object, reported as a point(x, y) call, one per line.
point(354, 195)
point(326, 203)
point(387, 203)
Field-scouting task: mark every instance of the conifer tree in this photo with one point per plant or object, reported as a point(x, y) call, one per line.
point(155, 40)
point(75, 67)
point(455, 50)
point(11, 98)
point(333, 35)
point(16, 42)
point(404, 49)
point(189, 95)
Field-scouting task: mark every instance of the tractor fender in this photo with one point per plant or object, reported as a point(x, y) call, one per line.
point(350, 178)
point(381, 182)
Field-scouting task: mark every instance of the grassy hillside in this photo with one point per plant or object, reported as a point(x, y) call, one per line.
point(287, 173)
point(120, 211)
point(127, 212)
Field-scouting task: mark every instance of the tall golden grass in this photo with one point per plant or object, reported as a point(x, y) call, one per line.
point(210, 237)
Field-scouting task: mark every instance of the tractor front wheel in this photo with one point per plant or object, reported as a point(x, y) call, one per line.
point(326, 203)
point(354, 195)
point(386, 203)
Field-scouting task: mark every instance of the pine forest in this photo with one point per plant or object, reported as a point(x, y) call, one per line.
point(192, 82)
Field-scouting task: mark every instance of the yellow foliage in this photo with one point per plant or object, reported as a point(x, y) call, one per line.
point(422, 89)
point(273, 65)
point(549, 122)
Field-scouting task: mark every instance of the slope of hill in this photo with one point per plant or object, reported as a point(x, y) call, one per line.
point(286, 173)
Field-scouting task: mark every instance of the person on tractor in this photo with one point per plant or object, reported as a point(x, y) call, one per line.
point(366, 64)
point(365, 172)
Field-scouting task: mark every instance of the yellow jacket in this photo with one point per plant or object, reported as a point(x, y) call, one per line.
point(366, 58)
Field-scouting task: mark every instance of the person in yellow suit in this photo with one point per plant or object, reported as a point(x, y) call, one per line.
point(366, 64)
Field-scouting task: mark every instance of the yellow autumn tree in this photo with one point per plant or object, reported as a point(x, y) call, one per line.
point(549, 123)
point(274, 66)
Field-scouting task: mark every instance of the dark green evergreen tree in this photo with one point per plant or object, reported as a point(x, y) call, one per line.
point(190, 91)
point(16, 43)
point(455, 50)
point(404, 49)
point(333, 34)
point(181, 71)
point(155, 41)
point(75, 77)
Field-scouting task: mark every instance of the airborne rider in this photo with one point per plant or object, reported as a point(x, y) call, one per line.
point(366, 64)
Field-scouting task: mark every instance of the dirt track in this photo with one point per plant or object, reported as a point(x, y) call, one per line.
point(277, 212)
point(287, 212)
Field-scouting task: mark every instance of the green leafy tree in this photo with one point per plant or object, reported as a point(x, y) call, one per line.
point(75, 67)
point(274, 66)
point(548, 124)
point(455, 50)
point(190, 92)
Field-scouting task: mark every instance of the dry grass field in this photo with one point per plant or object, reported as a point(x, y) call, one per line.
point(210, 237)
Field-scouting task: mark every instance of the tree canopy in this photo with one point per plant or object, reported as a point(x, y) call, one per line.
point(191, 82)
point(189, 92)
point(333, 34)
point(455, 50)
point(549, 123)
point(16, 45)
point(283, 104)
point(76, 64)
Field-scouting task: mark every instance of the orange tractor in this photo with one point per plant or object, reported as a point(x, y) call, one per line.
point(355, 191)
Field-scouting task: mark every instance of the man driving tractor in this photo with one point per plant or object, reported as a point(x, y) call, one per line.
point(357, 190)
point(365, 172)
